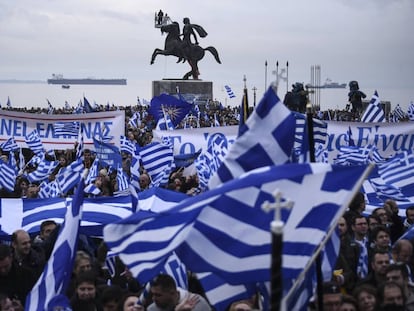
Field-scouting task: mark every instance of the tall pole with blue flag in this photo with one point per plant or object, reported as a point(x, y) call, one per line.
point(276, 227)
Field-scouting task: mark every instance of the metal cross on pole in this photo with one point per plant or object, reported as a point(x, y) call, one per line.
point(276, 226)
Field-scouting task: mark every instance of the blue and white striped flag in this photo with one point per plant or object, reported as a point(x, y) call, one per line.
point(92, 189)
point(165, 123)
point(34, 142)
point(122, 179)
point(374, 112)
point(48, 190)
point(9, 145)
point(93, 172)
point(229, 91)
point(265, 139)
point(43, 170)
point(225, 230)
point(57, 272)
point(126, 145)
point(399, 170)
point(410, 111)
point(209, 161)
point(7, 176)
point(352, 155)
point(158, 160)
point(66, 128)
point(135, 120)
point(398, 113)
point(69, 176)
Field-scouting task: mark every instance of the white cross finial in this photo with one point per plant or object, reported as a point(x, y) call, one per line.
point(277, 223)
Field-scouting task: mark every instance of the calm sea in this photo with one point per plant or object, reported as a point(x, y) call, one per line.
point(37, 94)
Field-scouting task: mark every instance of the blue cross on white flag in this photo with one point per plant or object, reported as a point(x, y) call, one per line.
point(57, 272)
point(265, 139)
point(225, 230)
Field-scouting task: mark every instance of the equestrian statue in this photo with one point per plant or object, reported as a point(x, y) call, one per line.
point(183, 48)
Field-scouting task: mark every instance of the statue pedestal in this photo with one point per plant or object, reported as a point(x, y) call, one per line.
point(201, 90)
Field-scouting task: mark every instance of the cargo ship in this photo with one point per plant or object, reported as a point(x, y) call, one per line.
point(329, 84)
point(59, 79)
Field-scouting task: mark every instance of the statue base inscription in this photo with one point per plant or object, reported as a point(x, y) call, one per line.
point(198, 89)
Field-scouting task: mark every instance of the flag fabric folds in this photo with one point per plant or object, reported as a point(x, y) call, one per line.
point(374, 112)
point(266, 139)
point(107, 153)
point(43, 170)
point(34, 142)
point(229, 91)
point(225, 230)
point(176, 108)
point(7, 176)
point(9, 145)
point(66, 128)
point(57, 272)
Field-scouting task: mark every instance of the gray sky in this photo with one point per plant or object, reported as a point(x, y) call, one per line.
point(366, 40)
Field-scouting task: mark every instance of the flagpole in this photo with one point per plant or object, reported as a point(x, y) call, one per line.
point(276, 227)
point(265, 75)
point(287, 77)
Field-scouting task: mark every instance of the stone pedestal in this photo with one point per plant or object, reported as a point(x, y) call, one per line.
point(198, 89)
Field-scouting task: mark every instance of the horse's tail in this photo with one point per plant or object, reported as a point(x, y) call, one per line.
point(213, 51)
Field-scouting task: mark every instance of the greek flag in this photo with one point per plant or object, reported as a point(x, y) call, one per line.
point(7, 176)
point(57, 272)
point(66, 128)
point(158, 160)
point(229, 91)
point(265, 139)
point(352, 155)
point(226, 232)
point(374, 112)
point(135, 120)
point(398, 113)
point(43, 170)
point(34, 142)
point(209, 161)
point(126, 145)
point(165, 123)
point(411, 111)
point(93, 172)
point(48, 190)
point(122, 179)
point(70, 176)
point(399, 170)
point(9, 145)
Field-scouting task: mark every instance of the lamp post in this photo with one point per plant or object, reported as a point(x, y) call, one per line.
point(254, 89)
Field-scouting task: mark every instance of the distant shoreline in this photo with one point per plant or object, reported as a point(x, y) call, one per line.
point(21, 81)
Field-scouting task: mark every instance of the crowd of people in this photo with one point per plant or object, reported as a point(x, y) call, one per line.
point(374, 269)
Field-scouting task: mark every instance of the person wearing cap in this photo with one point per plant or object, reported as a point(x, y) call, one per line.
point(332, 297)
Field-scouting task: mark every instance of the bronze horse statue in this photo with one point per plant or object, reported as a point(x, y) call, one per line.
point(175, 46)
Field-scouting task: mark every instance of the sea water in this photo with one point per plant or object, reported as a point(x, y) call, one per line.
point(38, 94)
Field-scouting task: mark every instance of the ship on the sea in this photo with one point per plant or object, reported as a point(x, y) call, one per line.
point(59, 79)
point(329, 84)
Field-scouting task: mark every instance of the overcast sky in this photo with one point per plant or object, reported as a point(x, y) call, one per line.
point(366, 40)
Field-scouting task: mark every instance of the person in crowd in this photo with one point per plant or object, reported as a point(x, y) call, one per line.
point(46, 229)
point(409, 217)
point(144, 181)
point(360, 234)
point(366, 296)
point(167, 296)
point(10, 304)
point(130, 302)
point(356, 208)
point(380, 239)
point(348, 303)
point(402, 252)
point(15, 281)
point(331, 295)
point(110, 297)
point(345, 274)
point(380, 260)
point(391, 297)
point(373, 222)
point(398, 273)
point(26, 255)
point(86, 295)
